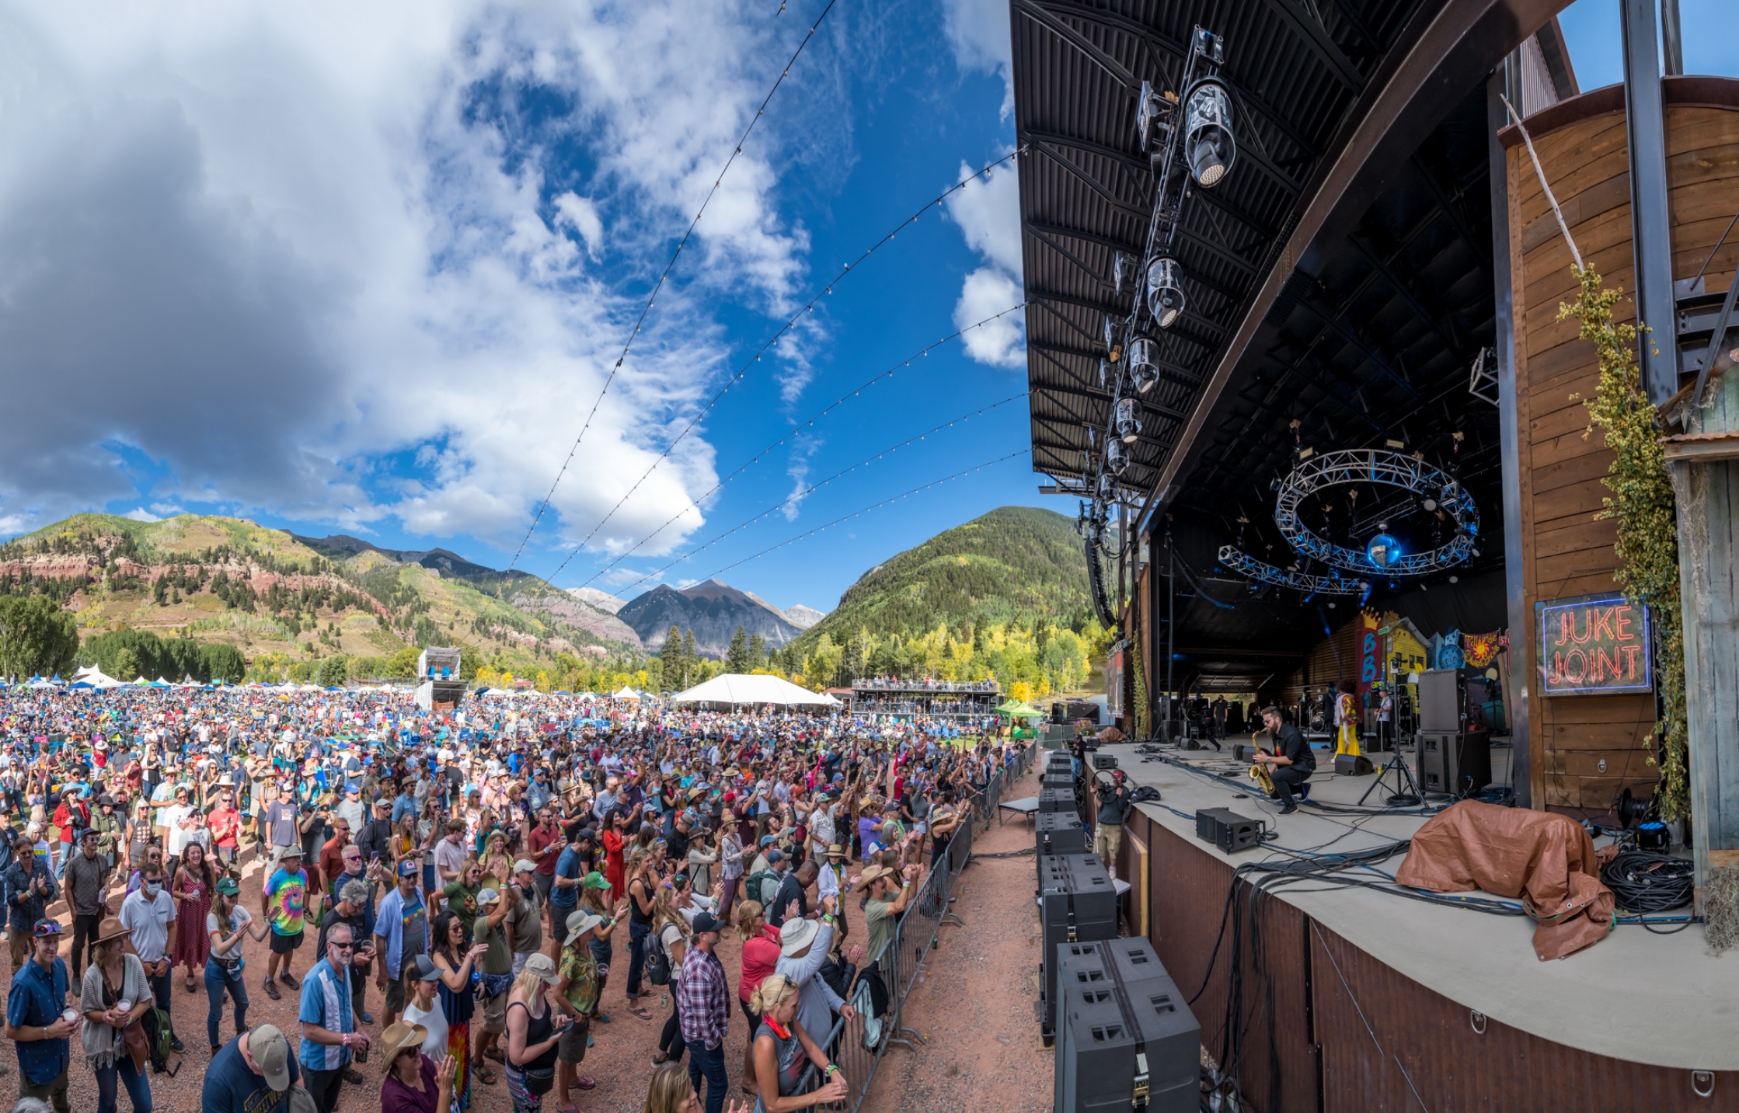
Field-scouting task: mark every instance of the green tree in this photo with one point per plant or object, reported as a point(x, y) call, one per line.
point(127, 664)
point(223, 662)
point(737, 654)
point(690, 659)
point(36, 636)
point(332, 671)
point(757, 652)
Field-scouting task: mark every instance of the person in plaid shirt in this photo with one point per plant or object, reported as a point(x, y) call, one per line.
point(704, 998)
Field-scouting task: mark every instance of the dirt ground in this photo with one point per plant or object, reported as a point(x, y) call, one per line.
point(973, 1004)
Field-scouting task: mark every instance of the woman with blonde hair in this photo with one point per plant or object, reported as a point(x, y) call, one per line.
point(671, 930)
point(672, 1092)
point(495, 861)
point(781, 1046)
point(535, 1022)
point(760, 957)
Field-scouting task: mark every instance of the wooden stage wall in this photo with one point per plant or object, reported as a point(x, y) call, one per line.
point(1585, 748)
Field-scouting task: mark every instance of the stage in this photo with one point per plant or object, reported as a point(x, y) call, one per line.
point(1456, 1001)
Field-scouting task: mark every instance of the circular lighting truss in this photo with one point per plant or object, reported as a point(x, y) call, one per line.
point(1382, 555)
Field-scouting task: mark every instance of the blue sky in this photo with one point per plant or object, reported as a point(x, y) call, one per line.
point(366, 270)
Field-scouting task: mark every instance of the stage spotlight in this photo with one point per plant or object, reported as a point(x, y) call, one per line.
point(1128, 420)
point(1430, 504)
point(1164, 291)
point(1208, 139)
point(1455, 579)
point(1122, 268)
point(1113, 346)
point(1104, 374)
point(1116, 457)
point(1150, 115)
point(1143, 363)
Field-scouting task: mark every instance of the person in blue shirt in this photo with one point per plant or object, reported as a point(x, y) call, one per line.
point(329, 1032)
point(35, 1020)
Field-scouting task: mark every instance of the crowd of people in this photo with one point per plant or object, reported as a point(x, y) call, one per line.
point(449, 890)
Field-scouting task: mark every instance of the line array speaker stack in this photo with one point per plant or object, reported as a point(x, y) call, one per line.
point(1059, 833)
point(1126, 1040)
point(1077, 903)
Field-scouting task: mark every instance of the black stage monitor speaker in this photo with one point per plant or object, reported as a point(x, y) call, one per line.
point(1453, 762)
point(1059, 833)
point(1125, 1038)
point(1056, 779)
point(1104, 761)
point(1077, 903)
point(1352, 765)
point(1228, 830)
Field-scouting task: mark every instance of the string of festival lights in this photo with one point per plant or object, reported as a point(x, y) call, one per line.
point(797, 428)
point(652, 297)
point(772, 342)
point(865, 510)
point(805, 493)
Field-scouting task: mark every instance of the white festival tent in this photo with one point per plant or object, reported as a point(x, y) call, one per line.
point(737, 688)
point(95, 677)
point(626, 693)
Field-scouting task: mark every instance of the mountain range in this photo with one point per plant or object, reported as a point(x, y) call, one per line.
point(1014, 562)
point(714, 611)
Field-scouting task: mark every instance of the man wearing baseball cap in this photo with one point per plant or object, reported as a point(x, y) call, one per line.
point(704, 997)
point(252, 1074)
point(524, 922)
point(496, 966)
point(401, 932)
point(36, 1022)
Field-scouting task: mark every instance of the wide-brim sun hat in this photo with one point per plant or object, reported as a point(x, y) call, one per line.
point(578, 924)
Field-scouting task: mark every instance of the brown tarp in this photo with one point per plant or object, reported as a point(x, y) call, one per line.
point(1545, 859)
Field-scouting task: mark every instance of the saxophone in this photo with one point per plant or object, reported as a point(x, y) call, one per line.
point(1258, 771)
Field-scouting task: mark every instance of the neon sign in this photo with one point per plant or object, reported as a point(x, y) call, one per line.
point(1594, 645)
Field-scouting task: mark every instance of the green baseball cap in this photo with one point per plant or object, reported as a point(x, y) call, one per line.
point(594, 880)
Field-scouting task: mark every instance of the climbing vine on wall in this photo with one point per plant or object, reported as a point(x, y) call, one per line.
point(1143, 712)
point(1642, 503)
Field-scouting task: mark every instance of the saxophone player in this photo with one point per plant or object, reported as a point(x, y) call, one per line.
point(1291, 763)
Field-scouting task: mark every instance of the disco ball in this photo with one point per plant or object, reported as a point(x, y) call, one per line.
point(1383, 550)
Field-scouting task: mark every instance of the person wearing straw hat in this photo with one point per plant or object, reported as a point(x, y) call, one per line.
point(114, 993)
point(579, 984)
point(803, 947)
point(414, 1083)
point(36, 1021)
point(283, 904)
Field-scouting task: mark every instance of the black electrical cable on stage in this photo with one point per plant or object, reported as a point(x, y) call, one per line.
point(1645, 882)
point(663, 276)
point(771, 342)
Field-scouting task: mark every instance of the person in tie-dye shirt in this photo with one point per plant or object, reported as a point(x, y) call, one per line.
point(286, 896)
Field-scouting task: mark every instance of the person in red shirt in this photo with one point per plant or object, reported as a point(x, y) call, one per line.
point(760, 957)
point(332, 854)
point(226, 824)
point(547, 844)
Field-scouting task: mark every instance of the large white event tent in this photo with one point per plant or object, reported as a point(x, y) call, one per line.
point(95, 677)
point(737, 688)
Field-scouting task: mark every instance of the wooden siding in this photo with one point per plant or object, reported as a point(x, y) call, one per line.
point(1585, 748)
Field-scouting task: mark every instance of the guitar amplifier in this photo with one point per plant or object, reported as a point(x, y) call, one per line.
point(1228, 830)
point(1125, 1037)
point(1077, 903)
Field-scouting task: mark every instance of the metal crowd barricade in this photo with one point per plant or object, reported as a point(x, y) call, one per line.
point(907, 952)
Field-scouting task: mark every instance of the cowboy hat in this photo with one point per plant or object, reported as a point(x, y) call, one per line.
point(109, 929)
point(399, 1036)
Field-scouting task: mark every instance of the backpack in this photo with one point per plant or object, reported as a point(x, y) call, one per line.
point(657, 958)
point(158, 1039)
point(764, 887)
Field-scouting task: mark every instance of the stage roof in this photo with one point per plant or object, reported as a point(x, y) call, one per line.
point(1339, 276)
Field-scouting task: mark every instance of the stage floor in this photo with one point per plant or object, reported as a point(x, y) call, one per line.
point(1638, 996)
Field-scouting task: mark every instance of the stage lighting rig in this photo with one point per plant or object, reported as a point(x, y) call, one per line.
point(1127, 419)
point(1143, 363)
point(1164, 291)
point(1208, 142)
point(1116, 457)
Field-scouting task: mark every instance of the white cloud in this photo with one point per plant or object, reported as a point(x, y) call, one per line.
point(140, 514)
point(987, 210)
point(978, 32)
point(310, 257)
point(1000, 343)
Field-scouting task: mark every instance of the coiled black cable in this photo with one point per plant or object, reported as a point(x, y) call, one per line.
point(1646, 882)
